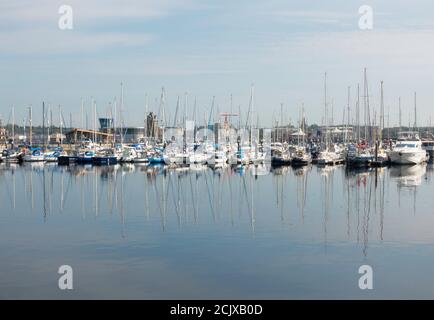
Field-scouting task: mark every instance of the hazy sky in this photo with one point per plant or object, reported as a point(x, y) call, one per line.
point(216, 48)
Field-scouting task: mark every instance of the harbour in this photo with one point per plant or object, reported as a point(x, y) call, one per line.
point(215, 158)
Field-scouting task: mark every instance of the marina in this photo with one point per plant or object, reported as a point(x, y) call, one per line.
point(213, 157)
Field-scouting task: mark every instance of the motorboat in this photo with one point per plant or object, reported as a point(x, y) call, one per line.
point(35, 155)
point(408, 149)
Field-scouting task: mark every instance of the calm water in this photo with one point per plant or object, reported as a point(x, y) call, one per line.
point(150, 232)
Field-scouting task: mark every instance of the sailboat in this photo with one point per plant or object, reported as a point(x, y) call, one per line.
point(327, 156)
point(257, 155)
point(359, 154)
point(13, 154)
point(35, 155)
point(280, 154)
point(301, 156)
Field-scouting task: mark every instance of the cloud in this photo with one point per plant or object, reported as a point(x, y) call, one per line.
point(28, 12)
point(50, 42)
point(30, 27)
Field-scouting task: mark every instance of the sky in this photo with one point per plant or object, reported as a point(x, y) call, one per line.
point(215, 48)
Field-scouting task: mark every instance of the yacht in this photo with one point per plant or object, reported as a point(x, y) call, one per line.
point(408, 149)
point(301, 157)
point(331, 157)
point(53, 155)
point(359, 155)
point(12, 156)
point(279, 154)
point(86, 157)
point(36, 155)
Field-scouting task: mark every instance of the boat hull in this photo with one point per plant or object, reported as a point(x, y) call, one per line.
point(401, 157)
point(105, 160)
point(65, 160)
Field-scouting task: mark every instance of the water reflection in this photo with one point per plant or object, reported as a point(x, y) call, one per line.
point(294, 209)
point(187, 193)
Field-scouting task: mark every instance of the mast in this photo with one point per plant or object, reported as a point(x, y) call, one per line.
point(175, 124)
point(94, 123)
point(185, 123)
point(146, 118)
point(115, 117)
point(50, 124)
point(302, 124)
point(120, 113)
point(251, 116)
point(388, 122)
point(400, 113)
point(43, 124)
point(325, 113)
point(415, 113)
point(281, 122)
point(381, 112)
point(30, 126)
point(60, 124)
point(358, 113)
point(13, 125)
point(162, 101)
point(348, 116)
point(194, 120)
point(364, 105)
point(81, 113)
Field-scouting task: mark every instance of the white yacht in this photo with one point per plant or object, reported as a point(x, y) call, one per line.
point(327, 157)
point(35, 155)
point(408, 149)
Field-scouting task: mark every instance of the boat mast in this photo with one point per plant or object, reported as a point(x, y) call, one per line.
point(415, 113)
point(120, 113)
point(94, 124)
point(281, 122)
point(400, 113)
point(381, 112)
point(348, 117)
point(302, 124)
point(13, 125)
point(115, 117)
point(358, 113)
point(30, 125)
point(364, 104)
point(185, 123)
point(162, 101)
point(60, 124)
point(146, 118)
point(325, 113)
point(43, 124)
